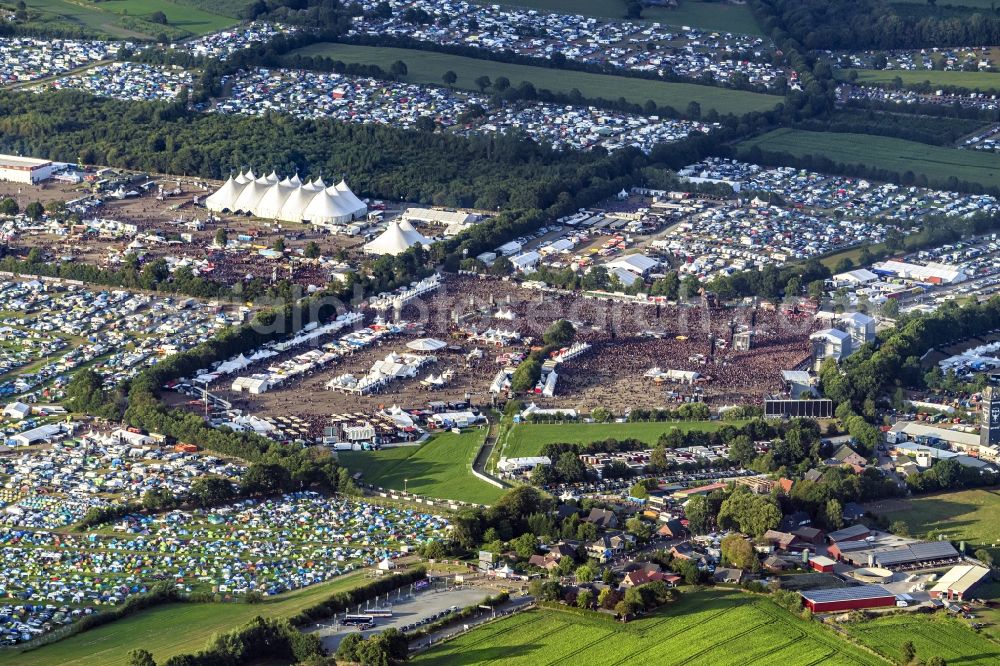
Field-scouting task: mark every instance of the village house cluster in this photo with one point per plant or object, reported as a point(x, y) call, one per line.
point(645, 47)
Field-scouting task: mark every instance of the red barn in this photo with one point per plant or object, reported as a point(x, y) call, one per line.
point(820, 563)
point(838, 599)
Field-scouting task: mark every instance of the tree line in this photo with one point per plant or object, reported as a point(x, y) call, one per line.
point(876, 24)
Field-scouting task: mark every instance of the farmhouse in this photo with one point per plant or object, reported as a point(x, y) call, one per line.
point(837, 599)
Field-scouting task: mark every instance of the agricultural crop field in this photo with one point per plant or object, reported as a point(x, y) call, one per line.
point(170, 630)
point(441, 467)
point(881, 152)
point(974, 80)
point(194, 17)
point(427, 67)
point(935, 636)
point(527, 439)
point(704, 15)
point(704, 628)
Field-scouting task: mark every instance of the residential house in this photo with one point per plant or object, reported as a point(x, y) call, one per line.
point(813, 475)
point(602, 518)
point(729, 576)
point(845, 455)
point(671, 529)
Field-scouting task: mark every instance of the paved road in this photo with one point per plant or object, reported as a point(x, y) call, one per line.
point(479, 464)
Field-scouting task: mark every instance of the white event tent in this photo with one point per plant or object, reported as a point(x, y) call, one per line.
point(288, 200)
point(395, 240)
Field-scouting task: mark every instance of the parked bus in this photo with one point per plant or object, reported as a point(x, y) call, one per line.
point(379, 612)
point(355, 619)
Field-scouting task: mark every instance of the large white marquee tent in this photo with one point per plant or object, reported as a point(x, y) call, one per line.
point(288, 200)
point(396, 239)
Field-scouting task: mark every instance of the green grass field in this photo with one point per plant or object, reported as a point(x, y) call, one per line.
point(899, 155)
point(703, 629)
point(102, 17)
point(705, 15)
point(980, 80)
point(170, 630)
point(428, 67)
point(442, 467)
point(932, 636)
point(969, 515)
point(527, 439)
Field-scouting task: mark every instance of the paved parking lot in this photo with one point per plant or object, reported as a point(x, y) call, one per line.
point(406, 611)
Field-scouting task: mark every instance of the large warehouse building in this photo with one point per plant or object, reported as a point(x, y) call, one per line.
point(837, 599)
point(25, 170)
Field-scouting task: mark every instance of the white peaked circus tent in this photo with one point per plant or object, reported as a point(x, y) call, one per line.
point(326, 208)
point(295, 205)
point(225, 196)
point(250, 196)
point(289, 200)
point(356, 205)
point(273, 201)
point(412, 235)
point(391, 241)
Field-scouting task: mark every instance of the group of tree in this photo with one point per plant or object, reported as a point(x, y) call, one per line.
point(876, 24)
point(381, 649)
point(876, 370)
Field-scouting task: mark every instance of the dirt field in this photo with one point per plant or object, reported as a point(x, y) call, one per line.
point(172, 217)
point(627, 341)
